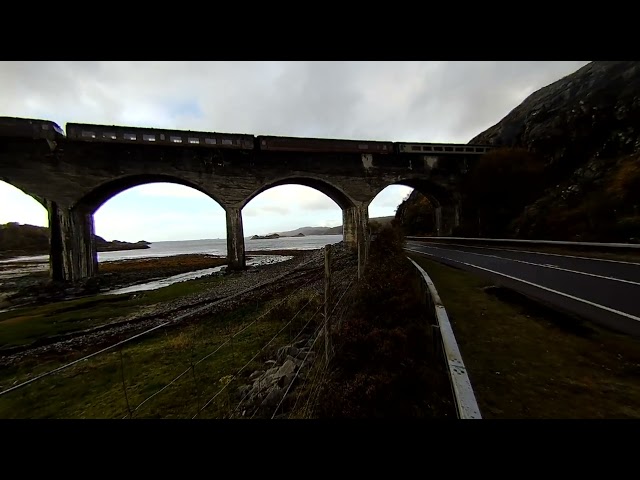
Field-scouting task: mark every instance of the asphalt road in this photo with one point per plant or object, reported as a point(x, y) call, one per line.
point(604, 291)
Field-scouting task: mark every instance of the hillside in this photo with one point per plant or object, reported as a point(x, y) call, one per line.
point(569, 166)
point(17, 239)
point(328, 230)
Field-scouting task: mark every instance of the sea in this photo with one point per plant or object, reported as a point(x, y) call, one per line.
point(19, 266)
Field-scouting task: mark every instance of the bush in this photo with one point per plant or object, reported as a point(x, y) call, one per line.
point(383, 365)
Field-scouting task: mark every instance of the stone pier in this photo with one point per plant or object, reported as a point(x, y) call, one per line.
point(355, 221)
point(72, 254)
point(235, 239)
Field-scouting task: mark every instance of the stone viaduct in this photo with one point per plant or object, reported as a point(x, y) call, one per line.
point(73, 173)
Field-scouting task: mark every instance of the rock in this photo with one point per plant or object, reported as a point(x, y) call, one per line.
point(256, 374)
point(270, 362)
point(287, 350)
point(273, 397)
point(288, 368)
point(243, 390)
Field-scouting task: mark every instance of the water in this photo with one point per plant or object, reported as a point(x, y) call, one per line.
point(217, 247)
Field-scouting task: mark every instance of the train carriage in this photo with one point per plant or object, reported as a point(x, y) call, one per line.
point(441, 148)
point(300, 144)
point(128, 135)
point(30, 128)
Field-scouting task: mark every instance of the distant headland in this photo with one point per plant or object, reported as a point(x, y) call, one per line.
point(18, 239)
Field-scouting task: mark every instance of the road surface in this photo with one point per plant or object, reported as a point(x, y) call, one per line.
point(604, 291)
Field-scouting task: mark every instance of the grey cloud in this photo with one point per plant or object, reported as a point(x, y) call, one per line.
point(275, 209)
point(443, 101)
point(322, 203)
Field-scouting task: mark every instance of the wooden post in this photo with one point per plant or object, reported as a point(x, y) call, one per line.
point(359, 262)
point(327, 300)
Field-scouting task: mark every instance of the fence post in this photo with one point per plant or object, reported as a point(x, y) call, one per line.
point(327, 299)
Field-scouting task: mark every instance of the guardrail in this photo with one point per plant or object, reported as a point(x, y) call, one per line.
point(618, 247)
point(464, 398)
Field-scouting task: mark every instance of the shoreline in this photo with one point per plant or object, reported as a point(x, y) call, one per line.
point(35, 288)
point(78, 323)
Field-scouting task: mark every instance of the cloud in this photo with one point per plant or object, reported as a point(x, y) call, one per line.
point(398, 101)
point(169, 190)
point(17, 206)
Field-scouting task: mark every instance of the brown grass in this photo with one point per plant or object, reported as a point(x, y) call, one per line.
point(177, 262)
point(385, 365)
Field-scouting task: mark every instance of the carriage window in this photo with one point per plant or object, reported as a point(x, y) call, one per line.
point(45, 127)
point(363, 146)
point(176, 139)
point(149, 138)
point(210, 141)
point(468, 149)
point(88, 135)
point(415, 148)
point(427, 149)
point(459, 149)
point(129, 136)
point(479, 150)
point(227, 142)
point(109, 135)
point(448, 149)
point(194, 140)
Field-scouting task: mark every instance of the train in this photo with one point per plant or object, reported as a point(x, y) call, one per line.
point(20, 127)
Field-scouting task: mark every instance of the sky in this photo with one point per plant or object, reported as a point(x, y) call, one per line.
point(395, 101)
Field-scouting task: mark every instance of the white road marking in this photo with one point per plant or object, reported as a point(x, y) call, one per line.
point(546, 265)
point(597, 305)
point(529, 251)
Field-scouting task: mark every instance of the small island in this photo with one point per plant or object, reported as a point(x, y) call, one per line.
point(265, 237)
point(275, 235)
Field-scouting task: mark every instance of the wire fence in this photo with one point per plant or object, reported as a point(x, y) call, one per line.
point(258, 361)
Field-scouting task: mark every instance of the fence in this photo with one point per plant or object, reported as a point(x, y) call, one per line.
point(216, 358)
point(256, 361)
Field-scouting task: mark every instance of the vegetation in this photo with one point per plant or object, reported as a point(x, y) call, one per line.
point(511, 194)
point(25, 325)
point(96, 388)
point(528, 361)
point(603, 209)
point(497, 189)
point(415, 215)
point(384, 365)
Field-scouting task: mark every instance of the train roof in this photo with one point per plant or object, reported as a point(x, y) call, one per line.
point(150, 129)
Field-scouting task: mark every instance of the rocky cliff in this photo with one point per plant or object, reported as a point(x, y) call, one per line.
point(583, 134)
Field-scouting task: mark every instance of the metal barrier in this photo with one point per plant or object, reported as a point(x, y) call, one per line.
point(464, 398)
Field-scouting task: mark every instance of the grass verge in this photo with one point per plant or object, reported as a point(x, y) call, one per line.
point(528, 361)
point(25, 325)
point(385, 365)
point(96, 388)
